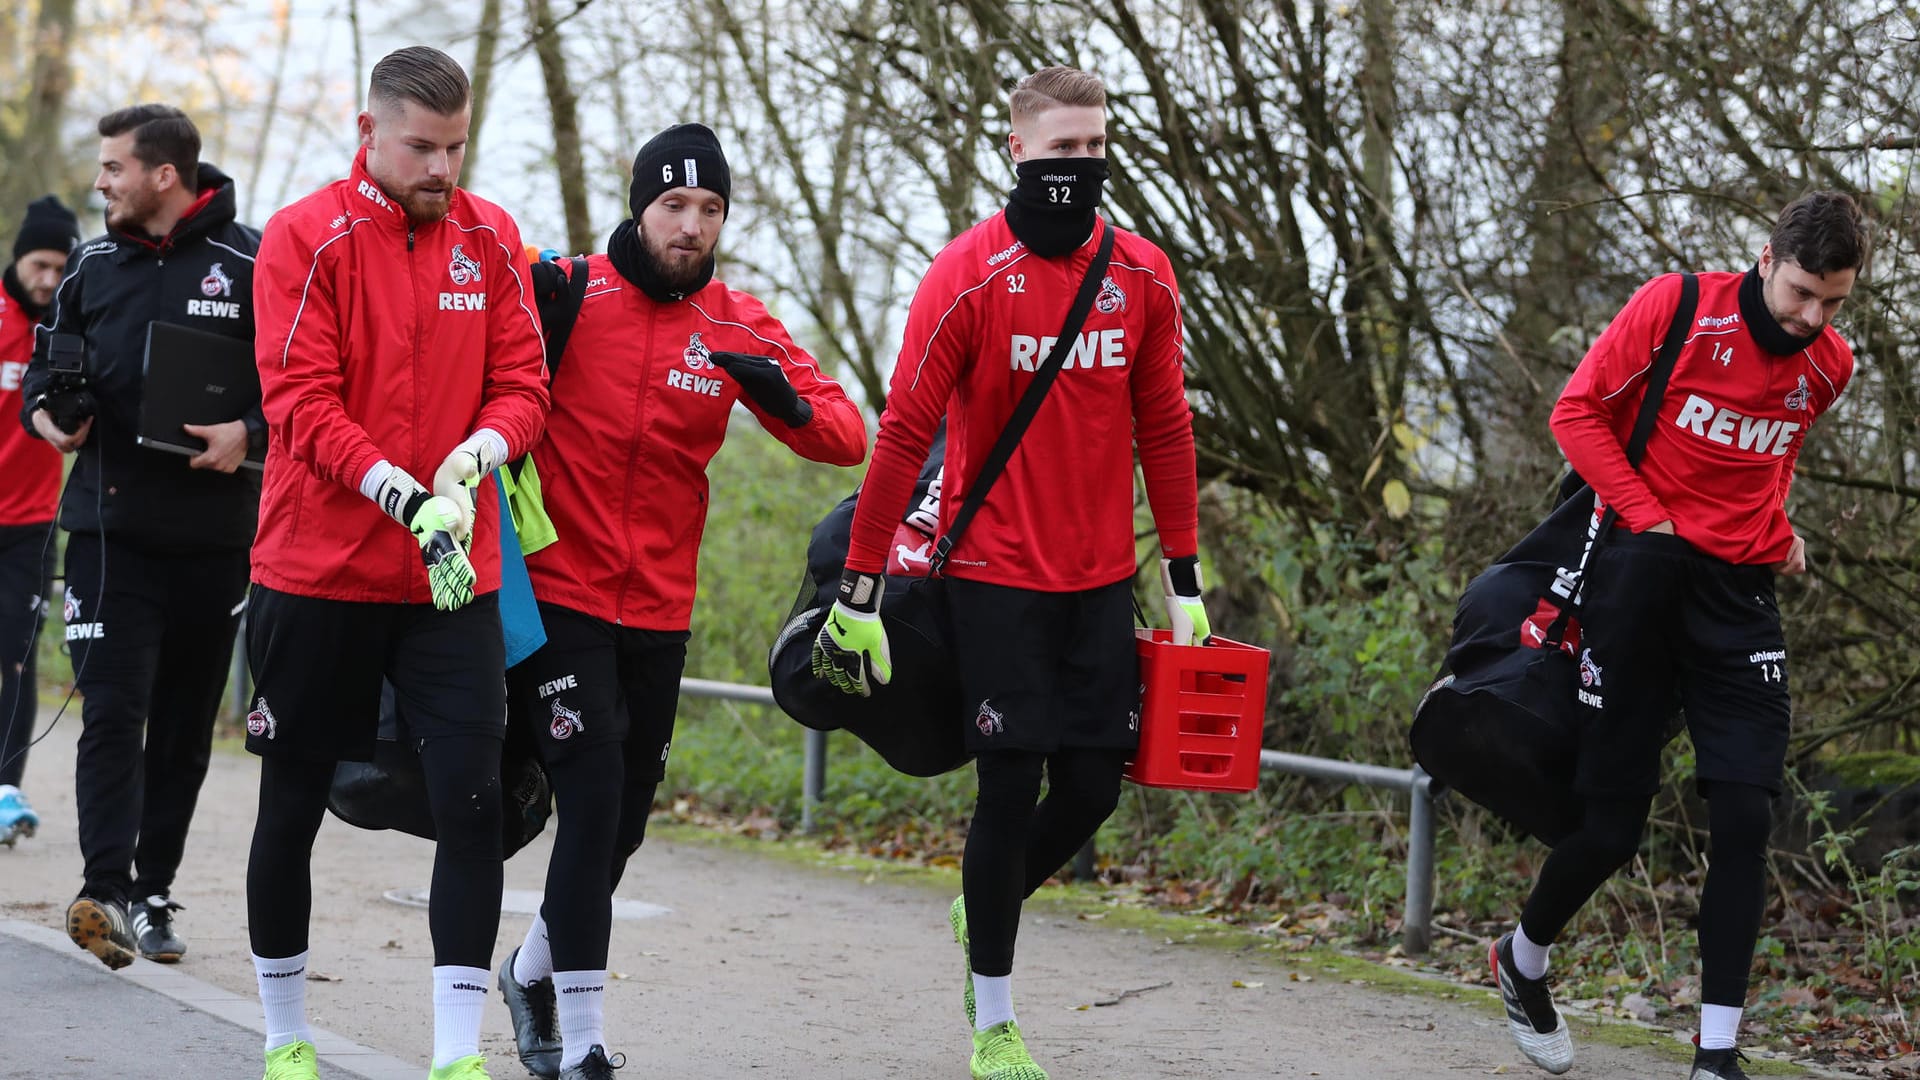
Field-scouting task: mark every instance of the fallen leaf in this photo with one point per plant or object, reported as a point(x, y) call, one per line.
point(1238, 985)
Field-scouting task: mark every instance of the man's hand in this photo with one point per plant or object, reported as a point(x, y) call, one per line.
point(460, 473)
point(1180, 581)
point(432, 519)
point(851, 651)
point(761, 379)
point(1665, 527)
point(60, 440)
point(226, 445)
point(1796, 560)
point(449, 572)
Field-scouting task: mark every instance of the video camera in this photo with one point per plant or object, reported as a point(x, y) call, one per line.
point(68, 397)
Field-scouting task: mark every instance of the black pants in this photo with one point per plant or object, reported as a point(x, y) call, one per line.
point(151, 635)
point(26, 573)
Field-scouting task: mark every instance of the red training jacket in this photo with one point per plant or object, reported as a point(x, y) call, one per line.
point(1720, 459)
point(30, 494)
point(638, 411)
point(1060, 519)
point(378, 338)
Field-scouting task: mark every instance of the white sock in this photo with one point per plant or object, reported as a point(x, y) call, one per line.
point(579, 998)
point(283, 997)
point(534, 961)
point(1529, 959)
point(992, 1000)
point(459, 999)
point(1719, 1026)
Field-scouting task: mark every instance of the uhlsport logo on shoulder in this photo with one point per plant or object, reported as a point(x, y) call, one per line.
point(462, 267)
point(216, 283)
point(565, 721)
point(260, 721)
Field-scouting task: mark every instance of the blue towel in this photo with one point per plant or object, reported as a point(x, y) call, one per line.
point(519, 615)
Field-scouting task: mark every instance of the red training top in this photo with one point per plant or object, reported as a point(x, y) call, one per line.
point(638, 412)
point(1061, 517)
point(1720, 459)
point(381, 338)
point(31, 493)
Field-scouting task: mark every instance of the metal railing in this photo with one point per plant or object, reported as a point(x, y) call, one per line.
point(1417, 925)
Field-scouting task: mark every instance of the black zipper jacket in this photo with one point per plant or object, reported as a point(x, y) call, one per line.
point(201, 276)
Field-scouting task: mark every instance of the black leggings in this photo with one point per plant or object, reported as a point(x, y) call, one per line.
point(1013, 846)
point(1740, 817)
point(601, 826)
point(463, 913)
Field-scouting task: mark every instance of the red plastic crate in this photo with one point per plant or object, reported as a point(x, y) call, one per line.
point(1202, 709)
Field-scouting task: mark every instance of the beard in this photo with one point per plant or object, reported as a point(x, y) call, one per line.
point(132, 210)
point(425, 203)
point(682, 268)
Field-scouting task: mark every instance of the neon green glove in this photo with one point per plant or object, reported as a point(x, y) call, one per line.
point(851, 651)
point(435, 521)
point(1180, 580)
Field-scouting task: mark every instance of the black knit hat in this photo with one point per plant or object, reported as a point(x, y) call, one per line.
point(49, 226)
point(684, 155)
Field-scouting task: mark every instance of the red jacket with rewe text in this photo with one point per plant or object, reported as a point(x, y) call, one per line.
point(1060, 519)
point(30, 492)
point(638, 412)
point(1720, 459)
point(377, 338)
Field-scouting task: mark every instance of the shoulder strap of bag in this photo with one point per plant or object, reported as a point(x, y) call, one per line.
point(1657, 378)
point(560, 327)
point(1023, 413)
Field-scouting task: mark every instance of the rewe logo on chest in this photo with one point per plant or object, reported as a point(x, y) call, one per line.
point(1729, 428)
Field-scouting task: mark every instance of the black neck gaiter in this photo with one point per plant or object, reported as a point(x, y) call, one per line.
point(631, 260)
point(1050, 208)
point(1766, 330)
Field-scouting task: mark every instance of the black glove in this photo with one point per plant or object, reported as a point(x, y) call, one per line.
point(549, 281)
point(761, 379)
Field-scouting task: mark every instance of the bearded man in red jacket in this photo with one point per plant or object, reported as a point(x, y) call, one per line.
point(657, 357)
point(397, 339)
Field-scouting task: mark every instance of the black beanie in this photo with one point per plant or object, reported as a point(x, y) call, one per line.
point(684, 155)
point(49, 226)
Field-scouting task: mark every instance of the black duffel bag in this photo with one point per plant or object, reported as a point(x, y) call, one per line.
point(390, 792)
point(1502, 724)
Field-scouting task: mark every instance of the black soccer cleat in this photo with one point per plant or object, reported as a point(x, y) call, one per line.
point(100, 927)
point(536, 1021)
point(1718, 1064)
point(595, 1066)
point(153, 930)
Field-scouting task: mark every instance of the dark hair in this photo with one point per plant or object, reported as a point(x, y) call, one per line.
point(420, 74)
point(1821, 232)
point(162, 135)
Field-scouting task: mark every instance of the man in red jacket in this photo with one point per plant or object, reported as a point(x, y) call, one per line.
point(1041, 585)
point(397, 340)
point(1678, 609)
point(657, 357)
point(28, 499)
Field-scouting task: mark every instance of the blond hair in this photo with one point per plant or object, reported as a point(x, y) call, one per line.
point(1054, 86)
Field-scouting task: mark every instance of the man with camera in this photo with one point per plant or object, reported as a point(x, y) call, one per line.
point(156, 563)
point(28, 499)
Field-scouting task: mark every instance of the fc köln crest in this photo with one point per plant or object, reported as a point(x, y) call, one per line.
point(697, 355)
point(1798, 398)
point(216, 283)
point(461, 267)
point(565, 721)
point(1111, 298)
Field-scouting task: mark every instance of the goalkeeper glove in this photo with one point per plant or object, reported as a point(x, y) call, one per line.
point(851, 651)
point(1180, 581)
point(461, 472)
point(433, 520)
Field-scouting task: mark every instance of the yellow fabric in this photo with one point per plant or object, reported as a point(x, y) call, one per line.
point(530, 520)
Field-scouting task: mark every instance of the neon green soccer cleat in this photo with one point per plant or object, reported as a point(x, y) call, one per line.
point(999, 1054)
point(294, 1061)
point(471, 1067)
point(957, 918)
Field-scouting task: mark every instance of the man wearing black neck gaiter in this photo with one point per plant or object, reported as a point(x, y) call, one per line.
point(655, 361)
point(1678, 607)
point(1040, 587)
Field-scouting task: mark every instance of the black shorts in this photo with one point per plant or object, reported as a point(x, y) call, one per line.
point(1046, 670)
point(1665, 627)
point(596, 684)
point(26, 578)
point(318, 665)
